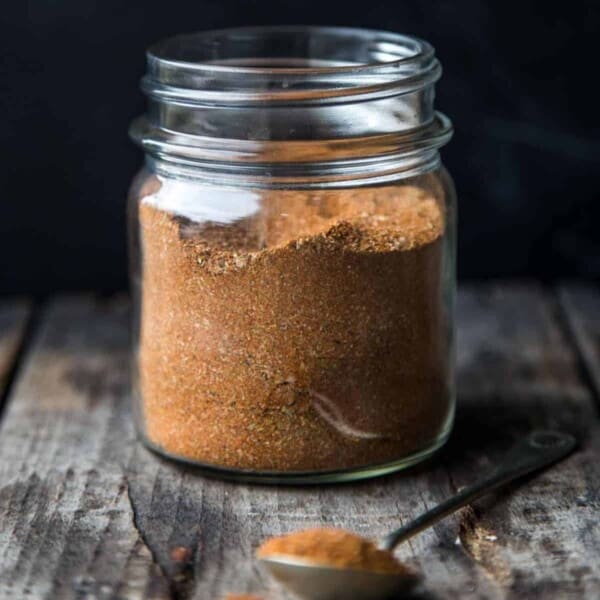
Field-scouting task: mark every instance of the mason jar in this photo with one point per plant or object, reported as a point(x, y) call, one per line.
point(293, 254)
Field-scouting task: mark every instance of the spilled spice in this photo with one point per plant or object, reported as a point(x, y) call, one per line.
point(334, 548)
point(307, 333)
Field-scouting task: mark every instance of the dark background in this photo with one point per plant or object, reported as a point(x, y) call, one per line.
point(519, 83)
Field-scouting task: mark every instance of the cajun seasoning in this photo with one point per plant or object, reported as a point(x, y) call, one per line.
point(292, 244)
point(310, 341)
point(335, 548)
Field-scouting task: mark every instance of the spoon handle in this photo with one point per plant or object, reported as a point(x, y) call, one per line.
point(537, 450)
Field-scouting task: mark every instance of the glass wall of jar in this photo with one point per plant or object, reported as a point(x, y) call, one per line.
point(292, 244)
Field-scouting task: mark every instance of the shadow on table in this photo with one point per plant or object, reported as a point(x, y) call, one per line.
point(489, 426)
point(485, 428)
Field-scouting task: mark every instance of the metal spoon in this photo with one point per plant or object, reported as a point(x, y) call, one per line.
point(322, 582)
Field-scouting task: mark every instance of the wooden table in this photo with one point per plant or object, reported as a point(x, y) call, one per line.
point(86, 512)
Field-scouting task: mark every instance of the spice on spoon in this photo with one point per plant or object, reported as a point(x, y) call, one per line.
point(335, 548)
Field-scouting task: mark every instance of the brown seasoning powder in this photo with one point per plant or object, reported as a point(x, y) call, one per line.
point(334, 548)
point(310, 336)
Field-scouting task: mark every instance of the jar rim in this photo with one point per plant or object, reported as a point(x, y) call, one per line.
point(165, 49)
point(328, 99)
point(298, 64)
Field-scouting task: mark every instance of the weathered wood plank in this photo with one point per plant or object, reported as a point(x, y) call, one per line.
point(86, 512)
point(581, 304)
point(517, 371)
point(13, 319)
point(66, 527)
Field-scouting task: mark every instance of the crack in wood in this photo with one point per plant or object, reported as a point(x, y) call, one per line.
point(155, 589)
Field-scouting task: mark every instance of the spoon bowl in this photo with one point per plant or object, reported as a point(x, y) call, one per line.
point(319, 582)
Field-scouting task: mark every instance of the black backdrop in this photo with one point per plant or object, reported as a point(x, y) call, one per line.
point(518, 83)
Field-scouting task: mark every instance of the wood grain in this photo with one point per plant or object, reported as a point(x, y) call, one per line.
point(517, 371)
point(582, 309)
point(13, 319)
point(67, 528)
point(85, 512)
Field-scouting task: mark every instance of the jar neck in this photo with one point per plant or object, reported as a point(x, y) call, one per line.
point(286, 102)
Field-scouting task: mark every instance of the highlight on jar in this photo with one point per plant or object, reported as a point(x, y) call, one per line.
point(293, 254)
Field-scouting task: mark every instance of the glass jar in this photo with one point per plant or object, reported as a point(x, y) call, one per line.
point(293, 237)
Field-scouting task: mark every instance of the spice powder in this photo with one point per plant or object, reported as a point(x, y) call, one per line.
point(308, 335)
point(337, 548)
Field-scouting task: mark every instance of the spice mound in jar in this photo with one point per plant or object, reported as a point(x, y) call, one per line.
point(287, 331)
point(335, 548)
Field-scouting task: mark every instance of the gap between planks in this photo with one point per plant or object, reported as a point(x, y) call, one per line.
point(581, 307)
point(15, 323)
